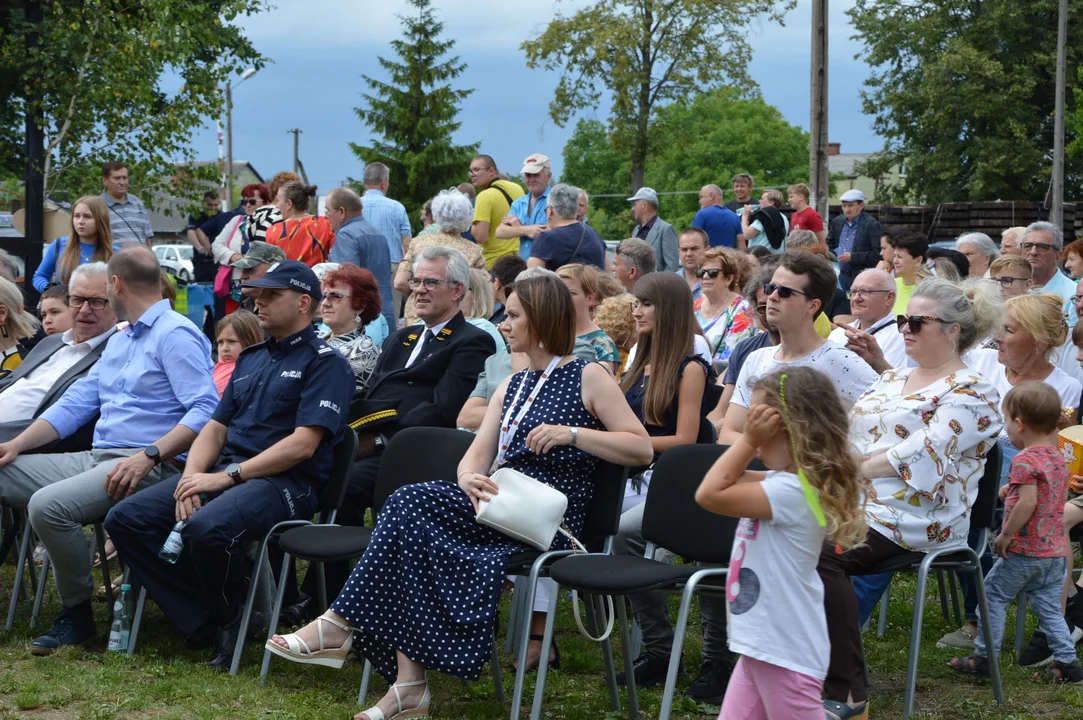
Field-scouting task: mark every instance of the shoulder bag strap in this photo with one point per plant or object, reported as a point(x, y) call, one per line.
point(501, 190)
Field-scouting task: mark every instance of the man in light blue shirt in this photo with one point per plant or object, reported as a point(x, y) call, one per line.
point(358, 242)
point(1041, 244)
point(153, 391)
point(526, 218)
point(390, 220)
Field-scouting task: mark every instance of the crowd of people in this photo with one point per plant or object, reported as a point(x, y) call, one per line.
point(872, 389)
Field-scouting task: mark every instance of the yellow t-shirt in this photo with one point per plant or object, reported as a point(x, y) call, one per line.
point(9, 360)
point(902, 296)
point(823, 325)
point(492, 207)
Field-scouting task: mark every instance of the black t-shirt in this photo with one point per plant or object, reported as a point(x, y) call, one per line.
point(736, 205)
point(741, 351)
point(557, 246)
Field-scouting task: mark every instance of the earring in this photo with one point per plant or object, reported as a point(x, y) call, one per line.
point(357, 318)
point(540, 345)
point(3, 331)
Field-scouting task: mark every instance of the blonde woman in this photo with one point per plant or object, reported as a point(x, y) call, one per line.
point(15, 324)
point(91, 240)
point(477, 306)
point(582, 281)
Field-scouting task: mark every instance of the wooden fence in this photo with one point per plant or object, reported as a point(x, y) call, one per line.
point(948, 221)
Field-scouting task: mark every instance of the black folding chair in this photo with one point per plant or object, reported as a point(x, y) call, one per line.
point(673, 520)
point(599, 528)
point(414, 455)
point(954, 559)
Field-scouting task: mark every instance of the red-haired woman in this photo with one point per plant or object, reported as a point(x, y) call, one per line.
point(351, 300)
point(232, 243)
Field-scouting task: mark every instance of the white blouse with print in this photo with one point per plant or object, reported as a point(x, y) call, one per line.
point(936, 439)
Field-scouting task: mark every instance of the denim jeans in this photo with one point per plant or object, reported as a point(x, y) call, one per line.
point(1042, 579)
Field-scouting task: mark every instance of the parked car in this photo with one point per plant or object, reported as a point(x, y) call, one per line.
point(176, 260)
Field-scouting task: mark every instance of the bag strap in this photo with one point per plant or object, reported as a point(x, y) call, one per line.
point(576, 547)
point(582, 236)
point(494, 186)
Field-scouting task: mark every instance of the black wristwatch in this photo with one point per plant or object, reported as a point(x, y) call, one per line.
point(234, 472)
point(152, 452)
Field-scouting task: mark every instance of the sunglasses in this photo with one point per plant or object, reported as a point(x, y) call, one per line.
point(784, 292)
point(915, 322)
point(250, 201)
point(709, 272)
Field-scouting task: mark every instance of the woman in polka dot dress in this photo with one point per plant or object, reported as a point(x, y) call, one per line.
point(425, 593)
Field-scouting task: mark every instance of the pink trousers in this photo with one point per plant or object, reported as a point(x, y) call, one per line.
point(761, 691)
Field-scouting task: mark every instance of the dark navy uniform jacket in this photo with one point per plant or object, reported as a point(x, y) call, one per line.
point(280, 386)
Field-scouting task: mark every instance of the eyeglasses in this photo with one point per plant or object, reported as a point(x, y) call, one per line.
point(96, 303)
point(916, 322)
point(1007, 280)
point(250, 201)
point(1077, 298)
point(429, 283)
point(1040, 247)
point(709, 272)
point(864, 293)
point(475, 171)
point(761, 309)
point(784, 292)
point(335, 296)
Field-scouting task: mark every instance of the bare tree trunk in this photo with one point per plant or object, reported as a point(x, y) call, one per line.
point(63, 132)
point(643, 103)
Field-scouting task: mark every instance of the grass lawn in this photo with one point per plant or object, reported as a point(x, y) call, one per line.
point(165, 681)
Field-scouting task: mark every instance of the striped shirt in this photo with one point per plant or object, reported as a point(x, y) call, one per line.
point(128, 220)
point(389, 218)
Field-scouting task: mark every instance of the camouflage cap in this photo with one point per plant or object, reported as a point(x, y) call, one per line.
point(259, 252)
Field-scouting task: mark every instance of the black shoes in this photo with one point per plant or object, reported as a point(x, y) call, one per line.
point(74, 626)
point(224, 644)
point(650, 671)
point(709, 687)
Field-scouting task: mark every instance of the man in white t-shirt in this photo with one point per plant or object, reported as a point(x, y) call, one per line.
point(872, 297)
point(802, 285)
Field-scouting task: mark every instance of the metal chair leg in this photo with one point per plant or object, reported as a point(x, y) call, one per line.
point(942, 589)
point(18, 588)
point(629, 660)
point(885, 602)
point(249, 604)
point(137, 619)
point(1020, 623)
point(99, 535)
point(678, 646)
point(39, 594)
point(987, 629)
point(543, 660)
point(915, 640)
point(527, 605)
point(273, 624)
point(512, 633)
point(610, 669)
point(953, 583)
point(366, 678)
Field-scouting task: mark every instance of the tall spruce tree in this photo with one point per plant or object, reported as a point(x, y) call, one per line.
point(414, 115)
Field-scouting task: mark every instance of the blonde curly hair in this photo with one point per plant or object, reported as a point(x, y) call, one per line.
point(817, 423)
point(614, 316)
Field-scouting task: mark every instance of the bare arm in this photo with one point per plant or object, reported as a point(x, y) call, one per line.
point(472, 414)
point(733, 424)
point(689, 394)
point(730, 488)
point(406, 239)
point(821, 235)
point(126, 475)
point(480, 231)
point(716, 416)
point(402, 281)
point(39, 433)
point(207, 448)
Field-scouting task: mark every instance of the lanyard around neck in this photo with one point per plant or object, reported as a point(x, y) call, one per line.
point(508, 425)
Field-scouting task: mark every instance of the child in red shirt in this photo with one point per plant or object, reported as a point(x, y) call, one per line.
point(1031, 543)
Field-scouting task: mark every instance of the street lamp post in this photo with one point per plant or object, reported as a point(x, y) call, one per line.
point(229, 135)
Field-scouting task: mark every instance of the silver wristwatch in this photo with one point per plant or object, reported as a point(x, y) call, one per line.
point(575, 435)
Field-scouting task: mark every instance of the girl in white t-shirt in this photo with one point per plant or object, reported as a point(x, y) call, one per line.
point(797, 425)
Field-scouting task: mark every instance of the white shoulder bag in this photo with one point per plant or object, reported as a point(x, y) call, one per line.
point(530, 511)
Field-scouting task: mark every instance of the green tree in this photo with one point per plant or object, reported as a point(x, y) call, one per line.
point(415, 114)
point(643, 54)
point(591, 163)
point(715, 135)
point(964, 92)
point(98, 78)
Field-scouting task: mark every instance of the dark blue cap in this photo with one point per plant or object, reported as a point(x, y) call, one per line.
point(289, 275)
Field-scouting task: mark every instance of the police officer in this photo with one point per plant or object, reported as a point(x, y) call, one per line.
point(261, 459)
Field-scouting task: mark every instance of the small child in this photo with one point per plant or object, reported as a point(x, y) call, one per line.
point(1031, 542)
point(234, 333)
point(797, 425)
point(56, 316)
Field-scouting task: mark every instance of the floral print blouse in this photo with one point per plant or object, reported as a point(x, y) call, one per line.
point(936, 439)
point(724, 331)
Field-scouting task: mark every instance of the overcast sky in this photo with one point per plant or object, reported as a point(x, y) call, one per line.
point(321, 48)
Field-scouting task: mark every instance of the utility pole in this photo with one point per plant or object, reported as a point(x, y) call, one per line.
point(1056, 214)
point(229, 143)
point(35, 159)
point(296, 148)
point(818, 111)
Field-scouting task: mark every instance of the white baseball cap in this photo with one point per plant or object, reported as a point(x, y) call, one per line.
point(645, 193)
point(852, 196)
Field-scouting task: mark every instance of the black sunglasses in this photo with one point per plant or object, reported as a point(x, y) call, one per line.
point(709, 272)
point(250, 201)
point(783, 291)
point(916, 322)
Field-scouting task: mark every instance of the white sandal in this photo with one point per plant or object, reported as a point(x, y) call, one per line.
point(298, 650)
point(421, 710)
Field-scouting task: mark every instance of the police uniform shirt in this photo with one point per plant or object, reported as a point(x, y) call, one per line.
point(280, 386)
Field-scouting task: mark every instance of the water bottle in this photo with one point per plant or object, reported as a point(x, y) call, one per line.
point(171, 549)
point(122, 622)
